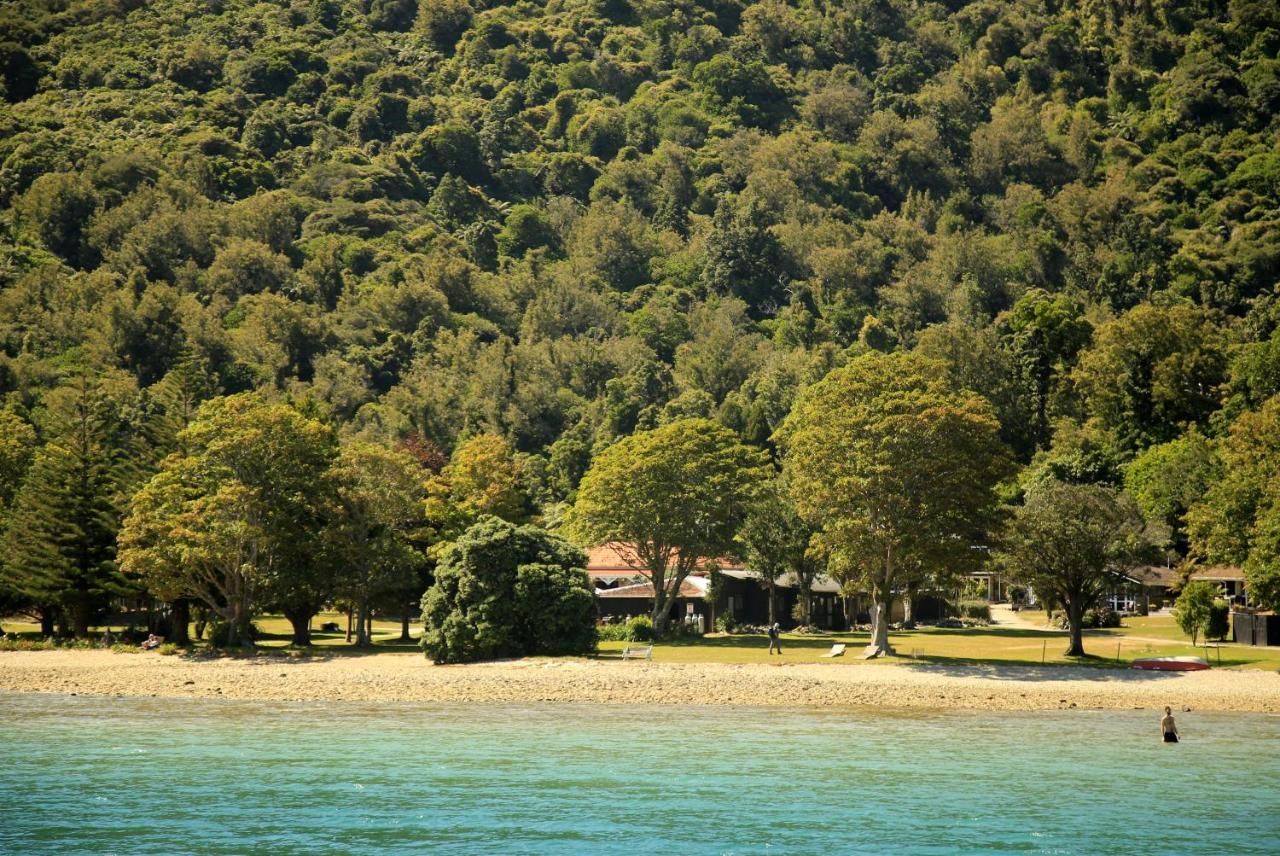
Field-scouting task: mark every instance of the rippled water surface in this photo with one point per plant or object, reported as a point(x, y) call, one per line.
point(128, 776)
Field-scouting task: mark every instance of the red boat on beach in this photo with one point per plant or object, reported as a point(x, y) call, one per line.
point(1172, 664)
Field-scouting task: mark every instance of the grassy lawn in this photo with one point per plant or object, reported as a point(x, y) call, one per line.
point(1142, 636)
point(991, 645)
point(276, 631)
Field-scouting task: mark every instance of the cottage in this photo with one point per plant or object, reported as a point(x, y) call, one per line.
point(1229, 577)
point(1141, 589)
point(744, 597)
point(690, 604)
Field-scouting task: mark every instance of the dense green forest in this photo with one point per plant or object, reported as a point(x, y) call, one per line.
point(543, 226)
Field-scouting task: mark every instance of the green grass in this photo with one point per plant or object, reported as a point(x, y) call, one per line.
point(276, 633)
point(1142, 636)
point(976, 645)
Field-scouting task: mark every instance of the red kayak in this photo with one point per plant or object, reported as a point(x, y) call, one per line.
point(1172, 664)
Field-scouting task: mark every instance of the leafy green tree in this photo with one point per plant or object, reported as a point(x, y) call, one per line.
point(503, 590)
point(1071, 543)
point(526, 228)
point(669, 498)
point(1238, 519)
point(775, 542)
point(1194, 608)
point(17, 448)
point(379, 501)
point(744, 258)
point(58, 207)
point(1262, 567)
point(481, 479)
point(613, 242)
point(444, 21)
point(898, 469)
point(245, 267)
point(1045, 333)
point(1169, 478)
point(1152, 371)
point(237, 517)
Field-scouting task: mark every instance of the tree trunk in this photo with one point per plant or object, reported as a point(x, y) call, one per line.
point(179, 618)
point(806, 604)
point(47, 614)
point(771, 592)
point(80, 617)
point(362, 624)
point(1075, 618)
point(909, 608)
point(348, 624)
point(301, 622)
point(239, 635)
point(404, 624)
point(880, 614)
point(661, 611)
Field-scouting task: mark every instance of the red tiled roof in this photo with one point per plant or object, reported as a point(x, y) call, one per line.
point(615, 560)
point(688, 588)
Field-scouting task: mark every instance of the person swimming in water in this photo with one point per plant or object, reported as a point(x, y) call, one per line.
point(1169, 728)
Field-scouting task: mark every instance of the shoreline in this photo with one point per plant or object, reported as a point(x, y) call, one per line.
point(408, 677)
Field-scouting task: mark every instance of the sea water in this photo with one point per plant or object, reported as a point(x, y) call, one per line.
point(132, 776)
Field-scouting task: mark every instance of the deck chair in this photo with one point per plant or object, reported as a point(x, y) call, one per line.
point(837, 650)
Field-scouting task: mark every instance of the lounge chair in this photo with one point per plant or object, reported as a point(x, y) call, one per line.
point(637, 652)
point(837, 650)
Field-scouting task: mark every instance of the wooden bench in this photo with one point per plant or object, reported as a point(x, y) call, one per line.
point(637, 653)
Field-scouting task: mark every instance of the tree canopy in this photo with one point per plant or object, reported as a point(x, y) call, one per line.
point(671, 498)
point(503, 590)
point(555, 225)
point(898, 468)
point(1073, 543)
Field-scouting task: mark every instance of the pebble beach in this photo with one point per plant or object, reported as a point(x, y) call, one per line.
point(409, 677)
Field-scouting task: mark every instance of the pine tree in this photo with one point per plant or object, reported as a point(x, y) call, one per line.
point(60, 550)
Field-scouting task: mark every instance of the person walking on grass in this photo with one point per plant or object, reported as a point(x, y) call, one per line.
point(1168, 728)
point(775, 638)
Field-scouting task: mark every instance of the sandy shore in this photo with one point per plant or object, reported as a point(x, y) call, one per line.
point(408, 677)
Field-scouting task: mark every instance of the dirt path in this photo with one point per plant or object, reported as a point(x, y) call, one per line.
point(1003, 616)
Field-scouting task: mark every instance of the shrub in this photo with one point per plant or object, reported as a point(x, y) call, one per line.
point(640, 629)
point(1099, 616)
point(14, 643)
point(1219, 620)
point(726, 624)
point(221, 632)
point(124, 648)
point(976, 609)
point(168, 649)
point(503, 590)
point(1193, 608)
point(613, 632)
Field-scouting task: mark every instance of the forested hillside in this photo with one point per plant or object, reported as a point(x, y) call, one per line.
point(561, 222)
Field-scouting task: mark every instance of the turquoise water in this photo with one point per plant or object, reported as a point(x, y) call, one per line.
point(101, 776)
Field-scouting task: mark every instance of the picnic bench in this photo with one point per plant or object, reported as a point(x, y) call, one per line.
point(637, 652)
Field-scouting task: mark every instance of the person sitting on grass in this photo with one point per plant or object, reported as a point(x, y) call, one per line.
point(775, 638)
point(153, 641)
point(1169, 728)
